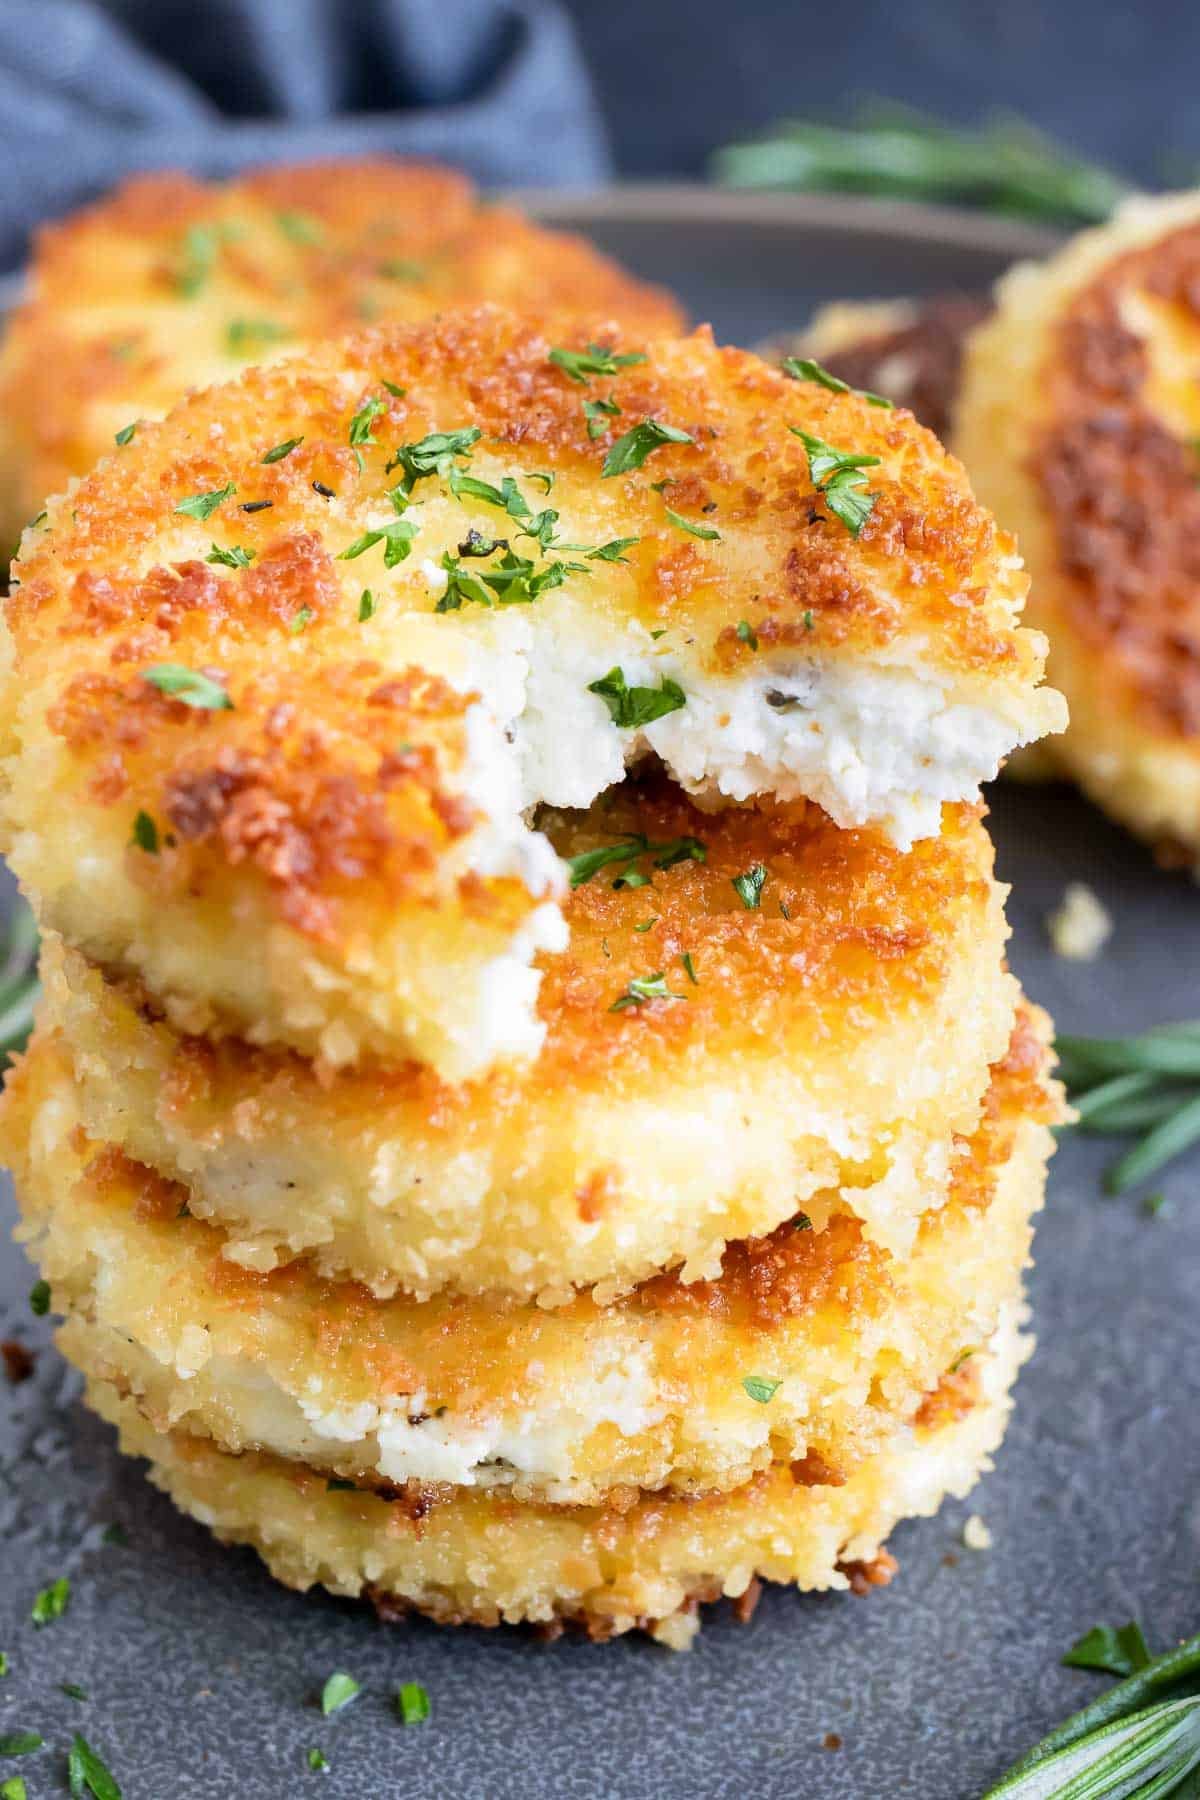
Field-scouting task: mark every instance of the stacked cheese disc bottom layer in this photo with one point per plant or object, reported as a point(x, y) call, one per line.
point(529, 1118)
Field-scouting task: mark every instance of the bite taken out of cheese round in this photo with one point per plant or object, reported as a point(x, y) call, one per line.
point(314, 644)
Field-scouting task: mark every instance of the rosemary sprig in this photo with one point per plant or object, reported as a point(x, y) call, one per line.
point(18, 981)
point(1007, 165)
point(1139, 1740)
point(1147, 1086)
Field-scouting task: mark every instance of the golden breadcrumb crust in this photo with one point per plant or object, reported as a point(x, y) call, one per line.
point(345, 785)
point(837, 1339)
point(835, 1036)
point(1079, 419)
point(170, 284)
point(641, 1561)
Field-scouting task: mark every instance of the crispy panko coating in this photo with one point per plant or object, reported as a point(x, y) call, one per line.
point(315, 692)
point(1079, 418)
point(641, 1561)
point(809, 1347)
point(170, 284)
point(709, 1068)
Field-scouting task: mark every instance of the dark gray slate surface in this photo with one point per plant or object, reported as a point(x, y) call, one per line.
point(203, 1674)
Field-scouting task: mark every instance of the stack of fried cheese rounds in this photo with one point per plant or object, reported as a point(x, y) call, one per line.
point(529, 1117)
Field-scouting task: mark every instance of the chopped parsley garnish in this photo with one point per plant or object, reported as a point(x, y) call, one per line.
point(203, 506)
point(513, 581)
point(412, 1703)
point(361, 425)
point(803, 368)
point(838, 477)
point(632, 707)
point(3, 1663)
point(366, 606)
point(189, 686)
point(318, 1762)
point(635, 445)
point(701, 531)
point(72, 1690)
point(338, 1691)
point(281, 450)
point(1114, 1651)
point(547, 479)
point(749, 886)
point(596, 411)
point(39, 1299)
point(761, 1387)
point(645, 987)
point(51, 1602)
point(809, 621)
point(244, 336)
point(398, 268)
point(747, 633)
point(433, 455)
point(689, 968)
point(145, 834)
point(393, 388)
point(88, 1774)
point(300, 227)
point(14, 1789)
point(581, 365)
point(507, 496)
point(477, 543)
point(396, 537)
point(301, 619)
point(125, 435)
point(666, 854)
point(337, 1484)
point(115, 1534)
point(613, 551)
point(20, 1743)
point(200, 246)
point(233, 558)
point(646, 925)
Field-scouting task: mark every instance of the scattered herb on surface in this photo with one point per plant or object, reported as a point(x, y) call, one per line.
point(51, 1602)
point(632, 707)
point(20, 1743)
point(412, 1703)
point(749, 886)
point(803, 368)
point(338, 1691)
point(838, 477)
point(432, 455)
point(689, 968)
point(244, 336)
point(761, 1387)
point(145, 834)
point(189, 686)
point(235, 557)
point(39, 1299)
point(596, 412)
point(700, 531)
point(88, 1774)
point(747, 634)
point(318, 1762)
point(1114, 1650)
point(635, 445)
point(396, 537)
point(203, 506)
point(125, 435)
point(300, 227)
point(366, 606)
point(665, 851)
point(279, 451)
point(580, 365)
point(642, 988)
point(14, 1789)
point(72, 1690)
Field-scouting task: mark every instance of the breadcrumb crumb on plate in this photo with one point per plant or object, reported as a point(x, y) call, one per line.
point(709, 1067)
point(808, 1348)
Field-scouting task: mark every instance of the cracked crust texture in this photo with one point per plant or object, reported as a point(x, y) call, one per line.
point(351, 793)
point(642, 1561)
point(1079, 418)
point(561, 1405)
point(835, 1039)
point(170, 284)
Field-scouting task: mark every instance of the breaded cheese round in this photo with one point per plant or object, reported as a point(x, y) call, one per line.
point(809, 1347)
point(645, 1561)
point(1079, 418)
point(802, 1020)
point(284, 672)
point(170, 284)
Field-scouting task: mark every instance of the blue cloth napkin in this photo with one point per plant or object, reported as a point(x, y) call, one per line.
point(90, 92)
